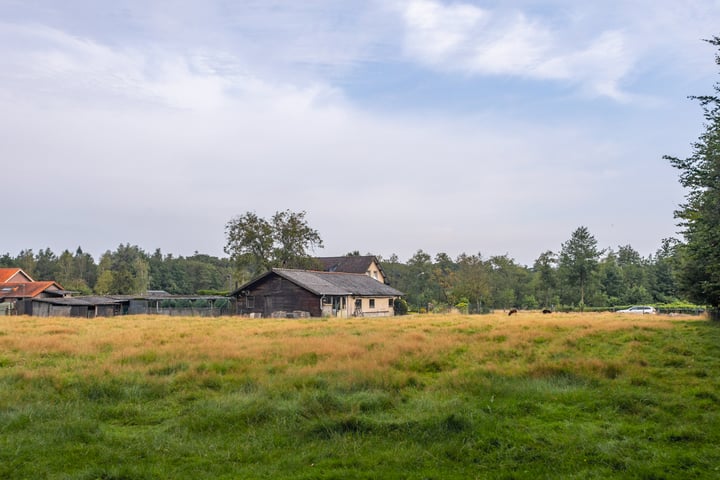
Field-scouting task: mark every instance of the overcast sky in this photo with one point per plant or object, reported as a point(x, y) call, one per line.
point(487, 127)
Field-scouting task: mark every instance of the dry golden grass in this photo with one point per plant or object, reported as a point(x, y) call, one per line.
point(356, 349)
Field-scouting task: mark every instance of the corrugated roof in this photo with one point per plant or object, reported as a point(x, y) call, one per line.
point(333, 283)
point(79, 301)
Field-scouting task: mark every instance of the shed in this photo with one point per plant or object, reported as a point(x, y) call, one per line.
point(83, 307)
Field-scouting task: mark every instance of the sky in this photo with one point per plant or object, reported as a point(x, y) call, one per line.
point(477, 127)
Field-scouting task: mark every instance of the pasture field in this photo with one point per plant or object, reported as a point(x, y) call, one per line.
point(574, 396)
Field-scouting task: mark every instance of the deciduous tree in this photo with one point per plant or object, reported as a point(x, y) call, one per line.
point(545, 280)
point(256, 245)
point(130, 270)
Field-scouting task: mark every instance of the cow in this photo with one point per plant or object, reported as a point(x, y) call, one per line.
point(514, 310)
point(545, 311)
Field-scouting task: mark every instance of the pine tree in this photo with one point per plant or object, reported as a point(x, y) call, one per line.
point(700, 214)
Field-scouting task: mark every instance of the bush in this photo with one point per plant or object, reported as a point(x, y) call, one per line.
point(463, 305)
point(400, 306)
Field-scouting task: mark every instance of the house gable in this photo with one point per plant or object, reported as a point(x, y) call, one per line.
point(361, 264)
point(14, 275)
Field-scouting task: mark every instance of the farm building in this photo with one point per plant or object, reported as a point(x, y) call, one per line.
point(287, 293)
point(16, 287)
point(83, 307)
point(152, 303)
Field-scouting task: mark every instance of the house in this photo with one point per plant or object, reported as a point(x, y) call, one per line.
point(17, 286)
point(297, 293)
point(365, 264)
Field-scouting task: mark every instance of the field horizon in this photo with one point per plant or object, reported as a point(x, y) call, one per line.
point(567, 395)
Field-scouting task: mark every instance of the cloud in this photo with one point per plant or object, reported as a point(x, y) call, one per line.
point(64, 68)
point(159, 142)
point(467, 39)
point(436, 31)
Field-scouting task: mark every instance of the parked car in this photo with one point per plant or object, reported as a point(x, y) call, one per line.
point(644, 309)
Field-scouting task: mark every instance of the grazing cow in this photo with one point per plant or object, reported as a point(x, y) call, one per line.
point(514, 310)
point(547, 311)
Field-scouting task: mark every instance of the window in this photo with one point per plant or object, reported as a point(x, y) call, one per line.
point(390, 302)
point(372, 303)
point(250, 301)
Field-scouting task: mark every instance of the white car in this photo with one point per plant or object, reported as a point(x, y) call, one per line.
point(639, 309)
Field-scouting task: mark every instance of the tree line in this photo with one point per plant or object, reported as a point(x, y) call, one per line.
point(126, 270)
point(578, 275)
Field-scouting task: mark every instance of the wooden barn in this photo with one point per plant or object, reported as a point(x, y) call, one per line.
point(299, 293)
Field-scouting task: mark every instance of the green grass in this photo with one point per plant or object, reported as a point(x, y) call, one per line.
point(574, 397)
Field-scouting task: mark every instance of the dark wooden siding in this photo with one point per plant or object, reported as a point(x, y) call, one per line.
point(276, 294)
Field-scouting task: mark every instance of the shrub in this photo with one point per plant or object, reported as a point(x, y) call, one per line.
point(400, 306)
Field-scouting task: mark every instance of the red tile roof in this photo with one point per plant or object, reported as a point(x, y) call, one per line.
point(28, 289)
point(7, 274)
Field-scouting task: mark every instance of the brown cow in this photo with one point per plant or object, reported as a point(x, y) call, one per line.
point(514, 310)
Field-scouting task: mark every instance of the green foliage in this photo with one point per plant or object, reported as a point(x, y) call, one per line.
point(700, 214)
point(218, 293)
point(256, 245)
point(130, 270)
point(472, 281)
point(609, 279)
point(400, 306)
point(463, 305)
point(509, 282)
point(545, 281)
point(578, 263)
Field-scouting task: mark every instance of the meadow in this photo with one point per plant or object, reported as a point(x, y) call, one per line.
point(578, 396)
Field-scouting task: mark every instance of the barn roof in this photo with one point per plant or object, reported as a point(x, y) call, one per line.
point(330, 283)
